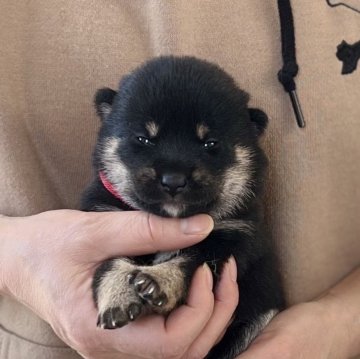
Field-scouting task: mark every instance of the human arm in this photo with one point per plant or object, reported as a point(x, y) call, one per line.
point(48, 260)
point(325, 328)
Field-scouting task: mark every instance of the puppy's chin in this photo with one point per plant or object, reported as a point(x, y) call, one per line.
point(174, 207)
point(163, 209)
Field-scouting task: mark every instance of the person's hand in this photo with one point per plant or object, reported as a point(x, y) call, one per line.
point(310, 330)
point(48, 261)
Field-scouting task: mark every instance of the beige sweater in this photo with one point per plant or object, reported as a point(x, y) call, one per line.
point(56, 53)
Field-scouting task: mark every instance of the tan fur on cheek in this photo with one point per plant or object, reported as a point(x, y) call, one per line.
point(115, 170)
point(237, 183)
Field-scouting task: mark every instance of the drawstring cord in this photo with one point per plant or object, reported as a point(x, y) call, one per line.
point(342, 4)
point(290, 68)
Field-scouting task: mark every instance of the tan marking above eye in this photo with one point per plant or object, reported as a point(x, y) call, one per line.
point(202, 131)
point(152, 128)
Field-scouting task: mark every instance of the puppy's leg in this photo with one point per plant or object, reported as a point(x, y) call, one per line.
point(262, 298)
point(238, 337)
point(124, 290)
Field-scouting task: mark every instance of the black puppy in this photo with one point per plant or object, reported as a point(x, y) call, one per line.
point(178, 139)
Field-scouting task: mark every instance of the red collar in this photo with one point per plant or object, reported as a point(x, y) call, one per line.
point(108, 185)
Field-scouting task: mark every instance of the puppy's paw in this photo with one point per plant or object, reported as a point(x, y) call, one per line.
point(116, 299)
point(117, 317)
point(148, 289)
point(124, 291)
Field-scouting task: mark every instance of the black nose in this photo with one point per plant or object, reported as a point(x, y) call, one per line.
point(173, 182)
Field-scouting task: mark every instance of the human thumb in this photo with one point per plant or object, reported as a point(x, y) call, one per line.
point(135, 233)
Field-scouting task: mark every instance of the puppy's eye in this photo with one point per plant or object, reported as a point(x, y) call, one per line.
point(210, 144)
point(145, 141)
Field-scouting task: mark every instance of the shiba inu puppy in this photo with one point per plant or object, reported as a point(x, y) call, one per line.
point(178, 139)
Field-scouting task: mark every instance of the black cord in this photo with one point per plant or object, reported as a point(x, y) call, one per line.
point(290, 68)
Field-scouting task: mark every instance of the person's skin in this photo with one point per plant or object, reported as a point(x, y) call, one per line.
point(48, 260)
point(326, 328)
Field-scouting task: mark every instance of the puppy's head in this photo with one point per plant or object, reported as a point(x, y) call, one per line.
point(178, 139)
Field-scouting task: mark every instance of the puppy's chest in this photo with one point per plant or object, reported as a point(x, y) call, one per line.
point(157, 258)
point(215, 264)
point(162, 257)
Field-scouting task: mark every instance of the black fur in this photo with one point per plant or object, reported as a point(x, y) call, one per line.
point(178, 94)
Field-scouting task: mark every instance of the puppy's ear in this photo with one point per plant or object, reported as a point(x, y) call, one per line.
point(103, 102)
point(259, 119)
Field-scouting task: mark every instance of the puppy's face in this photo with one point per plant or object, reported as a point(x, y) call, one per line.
point(178, 139)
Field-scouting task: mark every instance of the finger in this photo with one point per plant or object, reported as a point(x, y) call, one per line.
point(226, 300)
point(136, 232)
point(186, 323)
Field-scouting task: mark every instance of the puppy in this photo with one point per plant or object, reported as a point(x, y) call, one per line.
point(178, 139)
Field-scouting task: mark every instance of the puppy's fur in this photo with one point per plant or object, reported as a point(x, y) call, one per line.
point(175, 140)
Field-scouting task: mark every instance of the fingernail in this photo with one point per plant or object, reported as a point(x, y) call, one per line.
point(232, 269)
point(200, 224)
point(209, 277)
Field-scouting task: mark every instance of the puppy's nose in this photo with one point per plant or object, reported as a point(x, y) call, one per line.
point(173, 182)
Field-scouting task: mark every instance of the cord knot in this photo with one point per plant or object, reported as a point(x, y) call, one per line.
point(286, 75)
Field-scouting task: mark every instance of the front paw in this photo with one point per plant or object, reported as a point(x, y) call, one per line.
point(147, 289)
point(122, 298)
point(124, 291)
point(117, 317)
